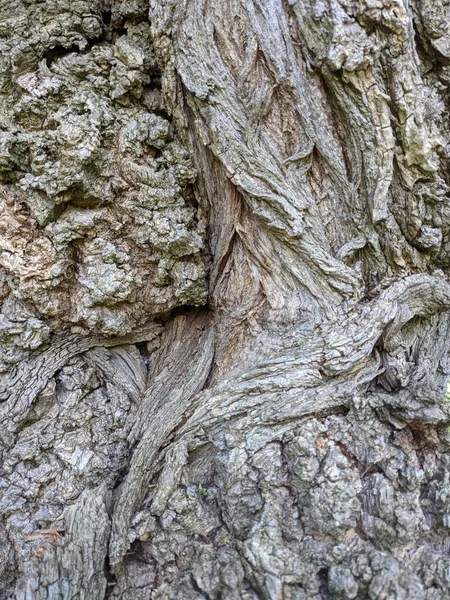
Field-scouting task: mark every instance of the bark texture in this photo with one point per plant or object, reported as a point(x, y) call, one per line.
point(225, 330)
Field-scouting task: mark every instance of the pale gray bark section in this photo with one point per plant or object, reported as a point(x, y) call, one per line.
point(224, 333)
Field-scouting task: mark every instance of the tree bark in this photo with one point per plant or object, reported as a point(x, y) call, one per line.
point(224, 334)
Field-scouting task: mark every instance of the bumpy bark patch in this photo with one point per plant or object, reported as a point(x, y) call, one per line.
point(99, 220)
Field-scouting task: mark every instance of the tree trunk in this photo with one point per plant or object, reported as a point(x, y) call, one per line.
point(224, 252)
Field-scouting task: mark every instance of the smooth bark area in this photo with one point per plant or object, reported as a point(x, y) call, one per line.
point(224, 333)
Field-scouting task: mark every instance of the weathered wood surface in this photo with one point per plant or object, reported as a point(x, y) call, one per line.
point(225, 331)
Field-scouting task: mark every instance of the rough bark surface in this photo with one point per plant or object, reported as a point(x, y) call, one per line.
point(225, 322)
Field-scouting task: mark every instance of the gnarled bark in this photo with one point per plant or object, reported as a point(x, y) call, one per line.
point(225, 301)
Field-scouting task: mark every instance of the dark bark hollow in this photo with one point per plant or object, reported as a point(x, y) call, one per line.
point(224, 334)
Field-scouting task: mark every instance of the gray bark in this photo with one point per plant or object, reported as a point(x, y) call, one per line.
point(224, 333)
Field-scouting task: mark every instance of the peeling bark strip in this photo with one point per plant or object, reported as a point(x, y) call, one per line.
point(224, 327)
